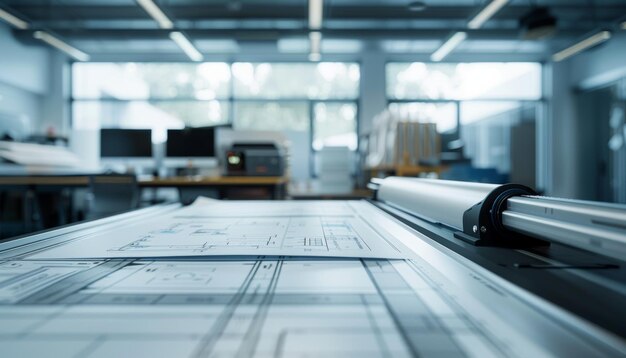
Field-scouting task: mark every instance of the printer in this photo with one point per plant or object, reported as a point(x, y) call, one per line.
point(255, 159)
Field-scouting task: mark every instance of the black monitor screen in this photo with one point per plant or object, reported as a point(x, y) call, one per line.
point(195, 142)
point(125, 143)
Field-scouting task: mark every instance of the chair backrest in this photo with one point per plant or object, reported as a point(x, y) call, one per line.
point(112, 194)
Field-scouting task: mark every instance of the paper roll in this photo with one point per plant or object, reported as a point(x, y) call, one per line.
point(438, 201)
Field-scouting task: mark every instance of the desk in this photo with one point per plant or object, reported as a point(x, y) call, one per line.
point(83, 180)
point(224, 185)
point(221, 187)
point(52, 192)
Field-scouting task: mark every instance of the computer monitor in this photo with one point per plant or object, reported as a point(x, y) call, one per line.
point(126, 147)
point(191, 147)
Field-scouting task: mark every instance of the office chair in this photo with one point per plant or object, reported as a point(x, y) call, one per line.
point(111, 194)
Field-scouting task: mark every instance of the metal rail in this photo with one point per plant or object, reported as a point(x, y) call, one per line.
point(591, 226)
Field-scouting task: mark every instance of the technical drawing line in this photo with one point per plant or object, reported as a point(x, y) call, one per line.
point(207, 343)
point(393, 314)
point(251, 338)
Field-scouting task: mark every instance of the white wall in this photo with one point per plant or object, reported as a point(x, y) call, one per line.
point(24, 80)
point(602, 65)
point(21, 66)
point(56, 103)
point(561, 131)
point(34, 81)
point(595, 68)
point(373, 98)
point(18, 103)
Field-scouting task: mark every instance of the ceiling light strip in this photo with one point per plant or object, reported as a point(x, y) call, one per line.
point(486, 13)
point(156, 13)
point(183, 42)
point(589, 42)
point(448, 46)
point(316, 13)
point(61, 45)
point(13, 20)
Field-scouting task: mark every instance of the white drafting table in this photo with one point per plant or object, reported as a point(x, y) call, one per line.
point(431, 303)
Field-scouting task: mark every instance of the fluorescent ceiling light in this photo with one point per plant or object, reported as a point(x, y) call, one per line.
point(486, 13)
point(13, 20)
point(591, 41)
point(61, 45)
point(315, 45)
point(316, 12)
point(448, 46)
point(183, 42)
point(156, 13)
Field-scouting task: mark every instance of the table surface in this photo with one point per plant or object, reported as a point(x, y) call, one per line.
point(83, 180)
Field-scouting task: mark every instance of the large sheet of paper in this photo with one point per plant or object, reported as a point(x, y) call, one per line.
point(243, 228)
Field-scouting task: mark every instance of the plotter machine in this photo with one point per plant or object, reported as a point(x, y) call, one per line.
point(426, 268)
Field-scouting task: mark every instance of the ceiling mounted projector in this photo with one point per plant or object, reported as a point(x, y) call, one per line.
point(538, 24)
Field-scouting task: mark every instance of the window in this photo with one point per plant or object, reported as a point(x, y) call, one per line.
point(324, 80)
point(442, 114)
point(298, 97)
point(488, 111)
point(295, 98)
point(495, 134)
point(150, 95)
point(464, 81)
point(335, 125)
point(272, 115)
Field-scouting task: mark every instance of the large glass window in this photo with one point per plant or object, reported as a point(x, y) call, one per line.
point(324, 80)
point(487, 112)
point(272, 115)
point(464, 81)
point(442, 114)
point(150, 95)
point(335, 125)
point(133, 81)
point(295, 98)
point(259, 96)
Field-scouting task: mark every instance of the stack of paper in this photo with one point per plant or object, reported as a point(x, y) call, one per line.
point(38, 155)
point(334, 170)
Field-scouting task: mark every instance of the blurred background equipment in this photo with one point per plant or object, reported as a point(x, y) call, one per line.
point(189, 150)
point(255, 159)
point(126, 149)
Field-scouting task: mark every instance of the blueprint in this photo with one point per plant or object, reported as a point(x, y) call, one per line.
point(435, 304)
point(269, 308)
point(216, 228)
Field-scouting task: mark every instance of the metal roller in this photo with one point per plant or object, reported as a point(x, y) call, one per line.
point(509, 214)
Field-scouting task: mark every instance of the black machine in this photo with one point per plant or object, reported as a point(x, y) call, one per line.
point(255, 159)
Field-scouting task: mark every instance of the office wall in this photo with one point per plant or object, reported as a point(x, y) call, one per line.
point(373, 98)
point(561, 132)
point(602, 65)
point(568, 129)
point(56, 103)
point(23, 77)
point(34, 82)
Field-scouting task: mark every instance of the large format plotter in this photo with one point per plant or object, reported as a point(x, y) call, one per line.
point(428, 268)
